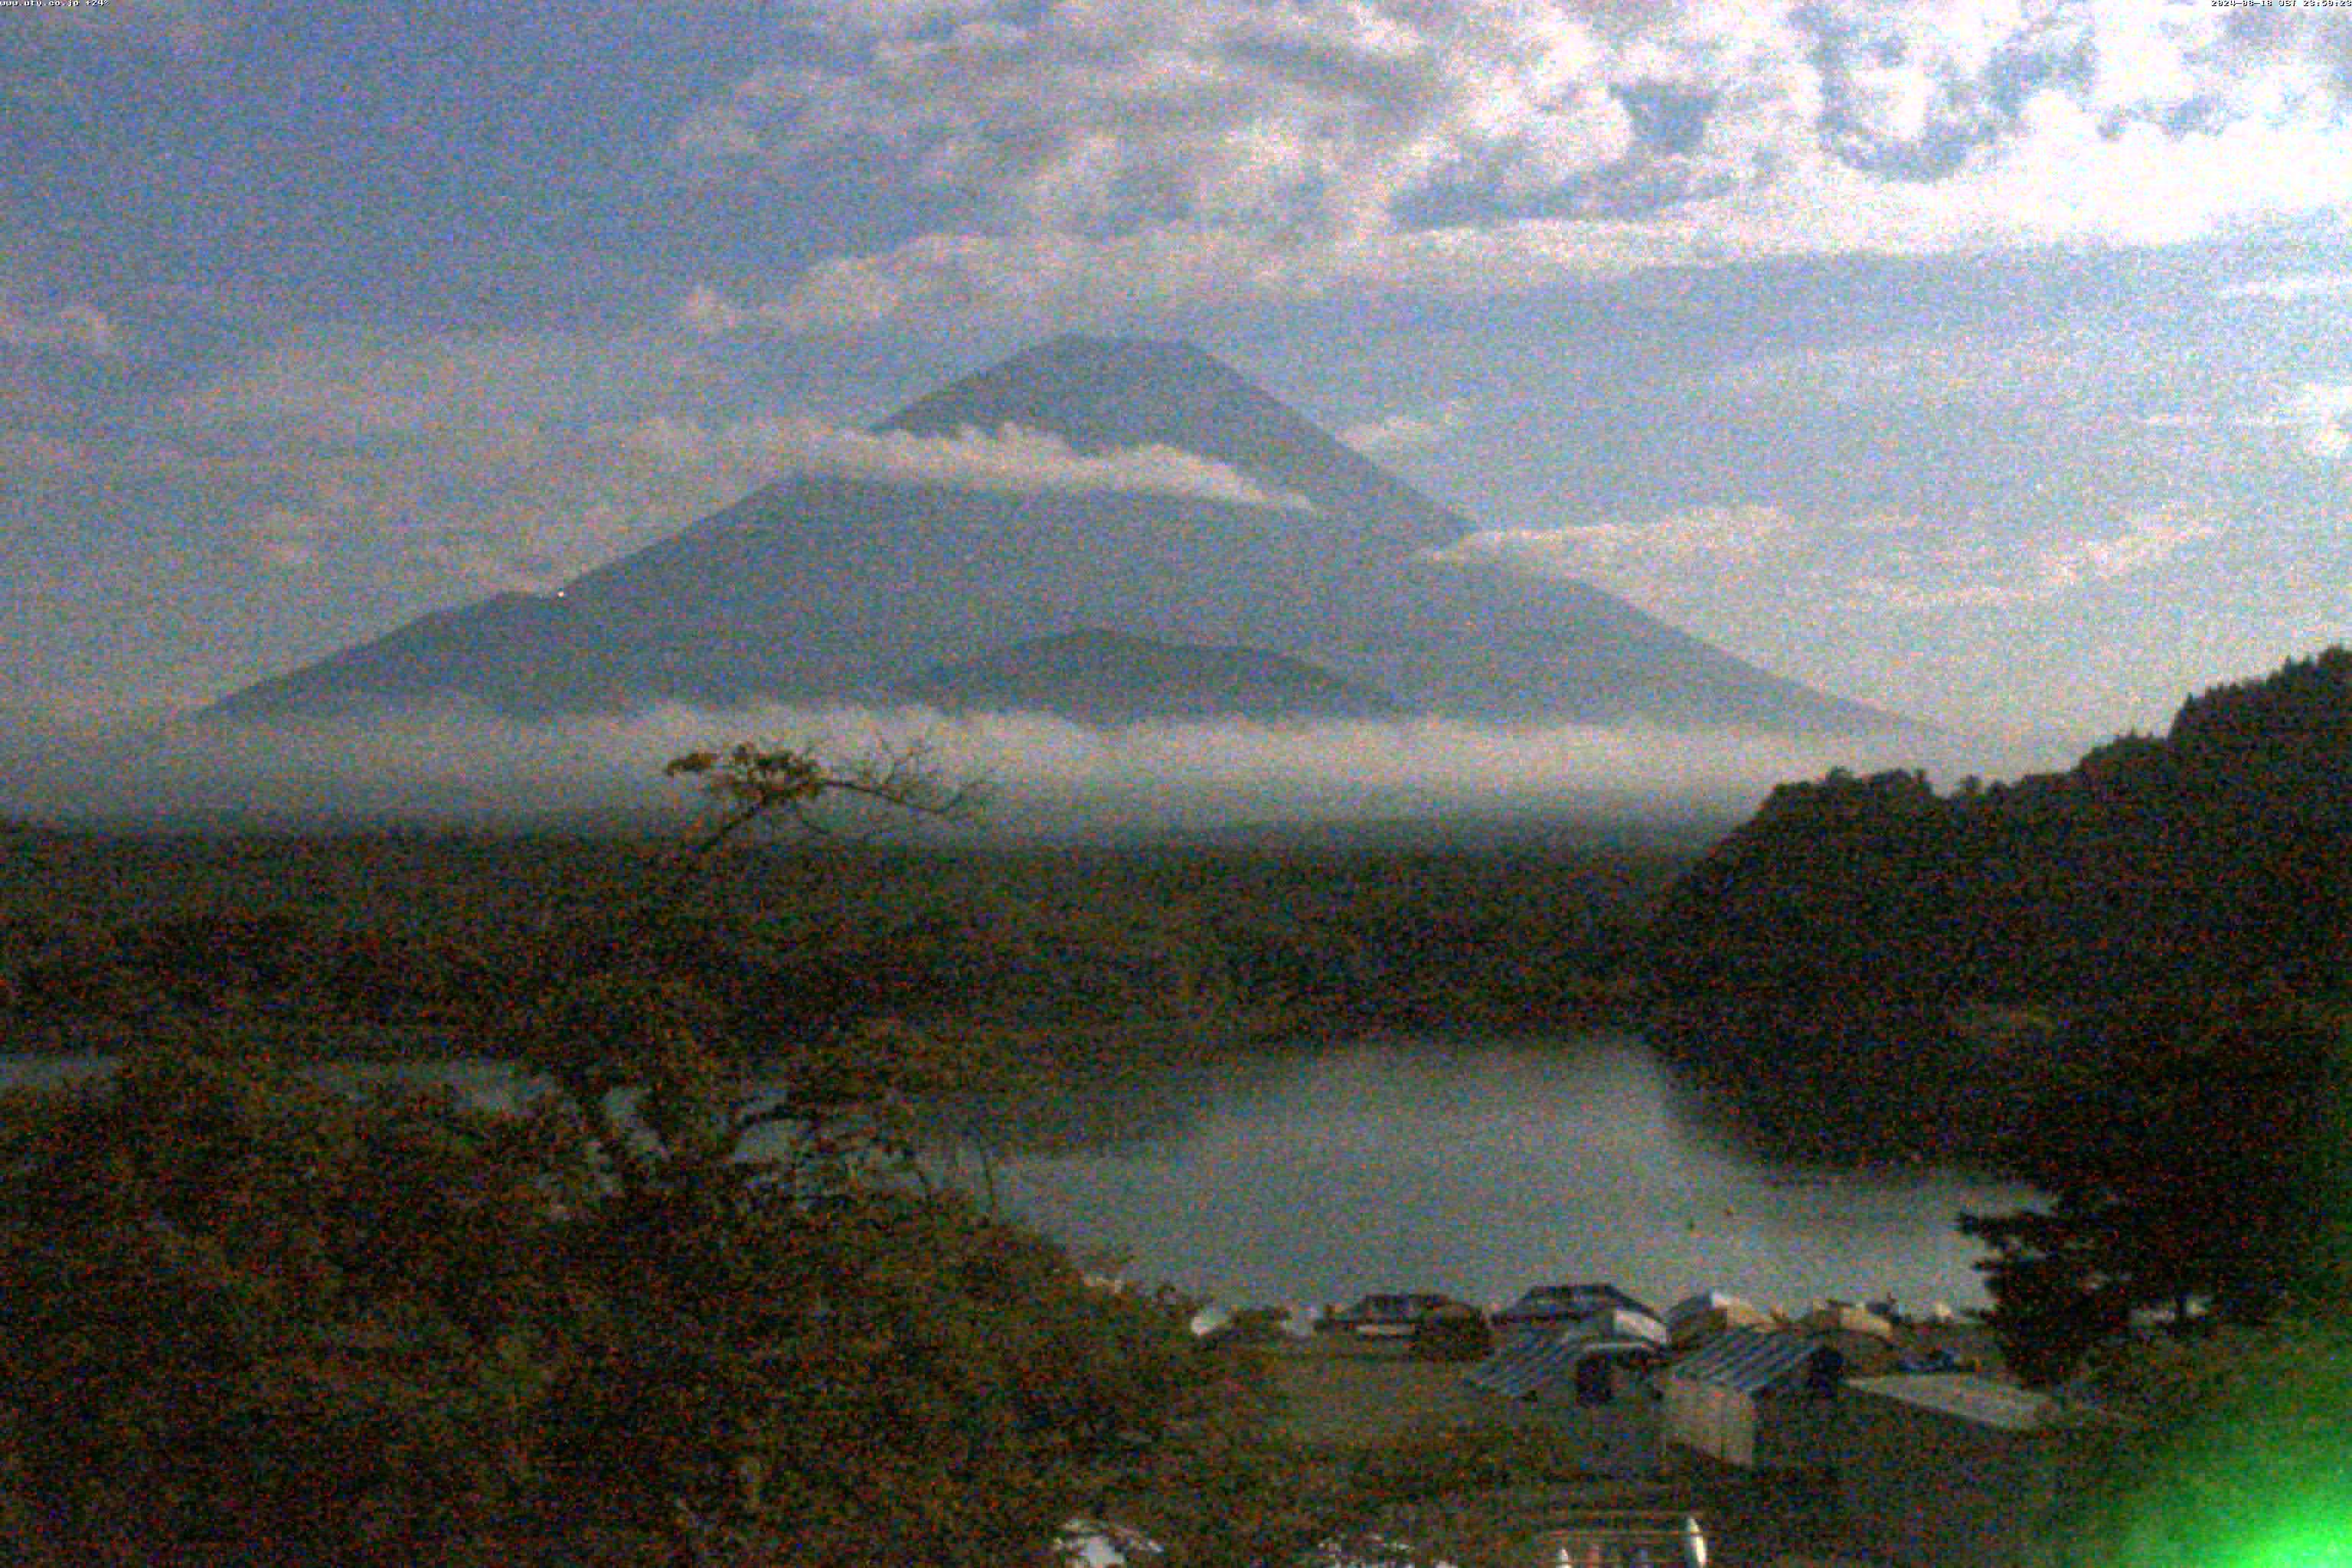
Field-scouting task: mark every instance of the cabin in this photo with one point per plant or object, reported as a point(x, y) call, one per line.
point(1697, 1318)
point(1387, 1315)
point(1564, 1306)
point(1597, 1392)
point(1757, 1400)
point(1865, 1340)
point(1949, 1471)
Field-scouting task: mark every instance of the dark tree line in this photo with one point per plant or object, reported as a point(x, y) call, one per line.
point(2123, 984)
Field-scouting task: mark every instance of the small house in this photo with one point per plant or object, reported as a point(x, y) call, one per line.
point(1564, 1306)
point(1598, 1393)
point(1949, 1471)
point(1756, 1400)
point(1697, 1318)
point(1865, 1340)
point(1388, 1315)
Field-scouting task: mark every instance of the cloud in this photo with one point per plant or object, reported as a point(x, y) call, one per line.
point(1700, 538)
point(515, 461)
point(1013, 458)
point(1043, 773)
point(1413, 430)
point(708, 313)
point(352, 387)
point(1975, 567)
point(1886, 561)
point(2323, 414)
point(2289, 287)
point(2317, 414)
point(1098, 160)
point(73, 326)
point(182, 26)
point(37, 452)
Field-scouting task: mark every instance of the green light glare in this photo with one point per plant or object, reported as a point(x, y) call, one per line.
point(2322, 1541)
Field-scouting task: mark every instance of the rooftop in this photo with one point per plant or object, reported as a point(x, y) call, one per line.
point(1965, 1398)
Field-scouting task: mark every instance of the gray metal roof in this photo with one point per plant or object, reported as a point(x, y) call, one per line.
point(1531, 1363)
point(1976, 1400)
point(1746, 1362)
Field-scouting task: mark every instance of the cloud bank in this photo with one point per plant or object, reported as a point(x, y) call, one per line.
point(1087, 160)
point(1046, 776)
point(75, 327)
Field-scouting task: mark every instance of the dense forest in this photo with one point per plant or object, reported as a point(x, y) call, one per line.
point(386, 944)
point(2125, 984)
point(1869, 969)
point(698, 1302)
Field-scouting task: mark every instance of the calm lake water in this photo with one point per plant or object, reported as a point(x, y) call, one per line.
point(1474, 1169)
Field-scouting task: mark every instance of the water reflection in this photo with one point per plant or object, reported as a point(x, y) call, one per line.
point(1478, 1171)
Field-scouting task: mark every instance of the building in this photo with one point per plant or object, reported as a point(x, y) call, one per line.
point(1759, 1401)
point(1865, 1340)
point(1598, 1393)
point(1949, 1471)
point(1697, 1318)
point(1564, 1306)
point(1389, 1315)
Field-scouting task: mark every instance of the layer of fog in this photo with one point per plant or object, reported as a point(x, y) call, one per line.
point(1042, 777)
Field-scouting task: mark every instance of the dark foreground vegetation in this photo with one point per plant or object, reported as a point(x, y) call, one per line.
point(660, 1318)
point(656, 1316)
point(2125, 983)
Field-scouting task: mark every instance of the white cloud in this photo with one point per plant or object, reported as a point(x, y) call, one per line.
point(2318, 415)
point(1042, 771)
point(1114, 158)
point(2288, 286)
point(352, 387)
point(515, 461)
point(2323, 414)
point(183, 27)
point(73, 326)
point(37, 452)
point(1013, 458)
point(1888, 560)
point(1977, 567)
point(708, 313)
point(1677, 543)
point(1408, 430)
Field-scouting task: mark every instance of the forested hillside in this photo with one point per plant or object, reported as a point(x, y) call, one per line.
point(1874, 969)
point(385, 943)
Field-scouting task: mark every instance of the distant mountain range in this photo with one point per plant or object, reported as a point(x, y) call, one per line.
point(1316, 577)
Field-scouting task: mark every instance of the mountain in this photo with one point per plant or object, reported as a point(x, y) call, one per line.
point(843, 588)
point(1104, 678)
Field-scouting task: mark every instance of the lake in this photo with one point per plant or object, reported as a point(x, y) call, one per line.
point(1477, 1169)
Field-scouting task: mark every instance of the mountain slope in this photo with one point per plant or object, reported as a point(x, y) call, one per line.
point(1100, 678)
point(842, 589)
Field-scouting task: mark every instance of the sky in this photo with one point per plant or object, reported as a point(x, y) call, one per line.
point(1982, 360)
